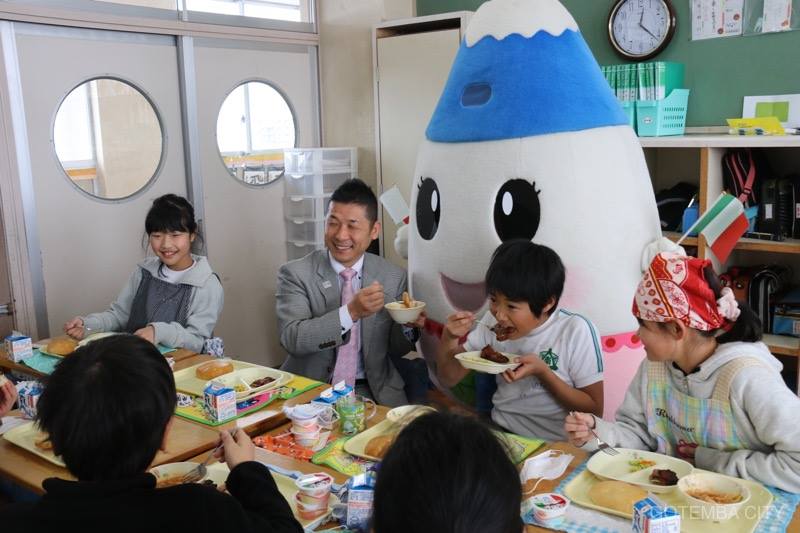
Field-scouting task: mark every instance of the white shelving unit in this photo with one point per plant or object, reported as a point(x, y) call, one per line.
point(311, 176)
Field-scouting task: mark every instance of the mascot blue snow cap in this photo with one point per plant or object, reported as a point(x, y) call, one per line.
point(523, 75)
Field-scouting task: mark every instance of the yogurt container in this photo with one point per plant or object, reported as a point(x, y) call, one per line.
point(548, 508)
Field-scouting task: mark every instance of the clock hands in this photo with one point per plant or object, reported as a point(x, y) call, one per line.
point(641, 25)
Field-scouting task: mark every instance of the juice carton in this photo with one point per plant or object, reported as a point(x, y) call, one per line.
point(219, 402)
point(18, 347)
point(360, 492)
point(653, 516)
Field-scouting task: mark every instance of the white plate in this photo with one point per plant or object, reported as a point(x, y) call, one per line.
point(25, 436)
point(407, 413)
point(474, 361)
point(616, 467)
point(96, 336)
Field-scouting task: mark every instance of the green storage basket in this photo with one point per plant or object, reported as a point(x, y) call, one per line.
point(658, 118)
point(629, 108)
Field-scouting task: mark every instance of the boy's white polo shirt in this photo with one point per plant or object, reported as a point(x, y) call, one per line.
point(569, 343)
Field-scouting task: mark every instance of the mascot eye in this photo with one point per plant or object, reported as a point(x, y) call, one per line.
point(517, 210)
point(429, 208)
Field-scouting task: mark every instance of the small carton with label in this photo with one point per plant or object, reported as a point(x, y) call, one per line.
point(219, 402)
point(653, 516)
point(18, 347)
point(360, 493)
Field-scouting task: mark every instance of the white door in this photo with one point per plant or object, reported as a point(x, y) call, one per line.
point(245, 226)
point(412, 71)
point(90, 246)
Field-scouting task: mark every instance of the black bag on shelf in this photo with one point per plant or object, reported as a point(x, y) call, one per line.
point(777, 210)
point(743, 169)
point(671, 204)
point(766, 285)
point(794, 180)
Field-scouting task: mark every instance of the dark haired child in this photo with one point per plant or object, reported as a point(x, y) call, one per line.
point(447, 473)
point(107, 410)
point(560, 360)
point(173, 298)
point(709, 391)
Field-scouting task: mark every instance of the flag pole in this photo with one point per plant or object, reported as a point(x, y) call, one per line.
point(696, 222)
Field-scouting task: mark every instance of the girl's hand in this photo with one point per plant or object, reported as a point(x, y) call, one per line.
point(8, 395)
point(459, 324)
point(529, 365)
point(419, 322)
point(686, 450)
point(579, 428)
point(74, 328)
point(148, 333)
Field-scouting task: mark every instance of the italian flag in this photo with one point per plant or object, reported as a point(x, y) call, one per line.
point(722, 225)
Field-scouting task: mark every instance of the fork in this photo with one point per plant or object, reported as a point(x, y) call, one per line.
point(199, 472)
point(604, 446)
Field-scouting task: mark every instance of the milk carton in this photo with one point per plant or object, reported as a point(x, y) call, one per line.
point(219, 402)
point(653, 516)
point(18, 347)
point(360, 492)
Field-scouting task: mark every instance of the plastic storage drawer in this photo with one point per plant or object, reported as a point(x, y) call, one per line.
point(296, 250)
point(314, 184)
point(319, 160)
point(305, 230)
point(306, 207)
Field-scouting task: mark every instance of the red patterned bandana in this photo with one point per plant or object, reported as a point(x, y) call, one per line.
point(674, 288)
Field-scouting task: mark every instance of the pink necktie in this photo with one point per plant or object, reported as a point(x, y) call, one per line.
point(347, 354)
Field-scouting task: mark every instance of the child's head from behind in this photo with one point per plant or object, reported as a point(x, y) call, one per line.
point(524, 281)
point(680, 303)
point(106, 407)
point(171, 229)
point(447, 473)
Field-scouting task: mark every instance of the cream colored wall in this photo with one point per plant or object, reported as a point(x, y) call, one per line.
point(348, 113)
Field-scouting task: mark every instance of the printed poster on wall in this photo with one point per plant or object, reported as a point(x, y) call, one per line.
point(716, 18)
point(777, 16)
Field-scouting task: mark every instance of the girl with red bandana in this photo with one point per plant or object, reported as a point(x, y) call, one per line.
point(709, 391)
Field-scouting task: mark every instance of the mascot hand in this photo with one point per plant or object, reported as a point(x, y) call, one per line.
point(656, 247)
point(401, 241)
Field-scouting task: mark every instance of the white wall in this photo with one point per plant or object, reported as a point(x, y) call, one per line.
point(348, 113)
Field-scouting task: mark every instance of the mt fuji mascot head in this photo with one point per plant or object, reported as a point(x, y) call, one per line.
point(528, 141)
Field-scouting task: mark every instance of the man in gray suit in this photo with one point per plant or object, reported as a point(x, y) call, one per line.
point(330, 306)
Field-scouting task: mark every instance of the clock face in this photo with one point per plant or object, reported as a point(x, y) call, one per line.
point(639, 29)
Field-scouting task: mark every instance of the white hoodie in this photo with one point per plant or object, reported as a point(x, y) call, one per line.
point(765, 415)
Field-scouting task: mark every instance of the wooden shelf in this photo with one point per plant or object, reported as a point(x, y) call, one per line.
point(789, 246)
point(720, 141)
point(674, 236)
point(782, 344)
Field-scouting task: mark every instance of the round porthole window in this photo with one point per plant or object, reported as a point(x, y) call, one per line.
point(108, 138)
point(254, 125)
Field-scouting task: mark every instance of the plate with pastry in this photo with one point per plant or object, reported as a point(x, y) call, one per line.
point(488, 360)
point(651, 471)
point(405, 311)
point(31, 438)
point(373, 443)
point(60, 347)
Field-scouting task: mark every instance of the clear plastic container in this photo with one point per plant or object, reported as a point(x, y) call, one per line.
point(297, 250)
point(305, 230)
point(320, 160)
point(306, 207)
point(314, 184)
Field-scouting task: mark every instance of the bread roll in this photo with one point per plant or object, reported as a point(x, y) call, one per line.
point(616, 495)
point(212, 369)
point(62, 346)
point(378, 446)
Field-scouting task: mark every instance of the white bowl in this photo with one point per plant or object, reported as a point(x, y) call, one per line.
point(405, 315)
point(707, 481)
point(171, 471)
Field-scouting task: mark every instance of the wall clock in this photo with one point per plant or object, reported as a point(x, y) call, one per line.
point(640, 29)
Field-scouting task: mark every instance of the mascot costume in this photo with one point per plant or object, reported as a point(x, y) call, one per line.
point(528, 141)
